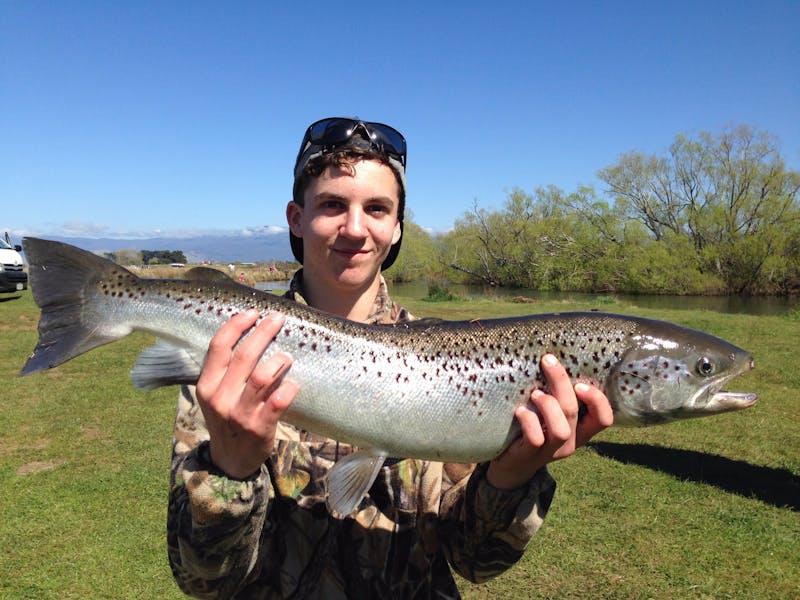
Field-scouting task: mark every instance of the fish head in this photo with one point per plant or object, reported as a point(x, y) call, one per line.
point(675, 373)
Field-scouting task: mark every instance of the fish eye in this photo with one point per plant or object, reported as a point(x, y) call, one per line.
point(705, 367)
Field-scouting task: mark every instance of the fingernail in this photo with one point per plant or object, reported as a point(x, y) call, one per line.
point(581, 387)
point(275, 316)
point(549, 360)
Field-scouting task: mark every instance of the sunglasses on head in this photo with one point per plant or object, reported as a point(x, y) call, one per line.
point(336, 131)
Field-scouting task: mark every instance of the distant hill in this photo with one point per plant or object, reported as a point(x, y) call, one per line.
point(255, 245)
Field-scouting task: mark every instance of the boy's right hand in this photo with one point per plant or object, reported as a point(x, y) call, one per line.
point(242, 400)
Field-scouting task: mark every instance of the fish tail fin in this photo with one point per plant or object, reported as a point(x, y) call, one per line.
point(62, 280)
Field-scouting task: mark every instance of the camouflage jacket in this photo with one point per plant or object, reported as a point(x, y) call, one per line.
point(271, 536)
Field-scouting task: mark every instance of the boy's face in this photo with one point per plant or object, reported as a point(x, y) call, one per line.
point(348, 224)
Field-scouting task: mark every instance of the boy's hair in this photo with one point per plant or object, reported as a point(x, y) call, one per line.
point(345, 158)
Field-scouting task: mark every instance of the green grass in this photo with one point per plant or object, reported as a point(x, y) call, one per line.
point(84, 462)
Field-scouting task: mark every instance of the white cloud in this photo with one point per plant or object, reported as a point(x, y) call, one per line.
point(83, 229)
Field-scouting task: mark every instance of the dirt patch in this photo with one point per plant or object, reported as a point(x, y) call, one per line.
point(10, 448)
point(93, 433)
point(38, 466)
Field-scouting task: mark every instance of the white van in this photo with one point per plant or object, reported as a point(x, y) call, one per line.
point(13, 277)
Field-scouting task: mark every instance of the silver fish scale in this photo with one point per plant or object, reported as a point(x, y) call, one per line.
point(424, 386)
point(430, 385)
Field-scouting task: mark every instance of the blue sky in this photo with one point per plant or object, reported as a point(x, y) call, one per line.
point(128, 118)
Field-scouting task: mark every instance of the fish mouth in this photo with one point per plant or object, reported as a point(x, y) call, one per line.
point(724, 401)
point(720, 400)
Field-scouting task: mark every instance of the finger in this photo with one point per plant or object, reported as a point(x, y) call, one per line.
point(269, 372)
point(220, 349)
point(599, 413)
point(279, 400)
point(560, 386)
point(251, 349)
point(264, 379)
point(530, 425)
point(555, 423)
point(222, 344)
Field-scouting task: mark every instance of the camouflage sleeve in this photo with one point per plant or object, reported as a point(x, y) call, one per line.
point(213, 523)
point(485, 530)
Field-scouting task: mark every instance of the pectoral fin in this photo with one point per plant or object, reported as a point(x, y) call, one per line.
point(165, 364)
point(350, 478)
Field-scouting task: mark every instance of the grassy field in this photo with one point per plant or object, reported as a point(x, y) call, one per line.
point(698, 509)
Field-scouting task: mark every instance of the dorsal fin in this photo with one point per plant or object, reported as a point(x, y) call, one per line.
point(207, 274)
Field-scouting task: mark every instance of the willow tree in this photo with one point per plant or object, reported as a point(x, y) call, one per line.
point(730, 195)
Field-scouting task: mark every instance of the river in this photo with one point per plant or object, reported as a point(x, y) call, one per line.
point(751, 305)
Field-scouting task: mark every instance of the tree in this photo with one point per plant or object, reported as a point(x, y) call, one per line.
point(126, 256)
point(418, 258)
point(163, 257)
point(730, 195)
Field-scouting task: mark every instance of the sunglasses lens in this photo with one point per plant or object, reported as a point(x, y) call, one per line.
point(388, 137)
point(331, 131)
point(336, 130)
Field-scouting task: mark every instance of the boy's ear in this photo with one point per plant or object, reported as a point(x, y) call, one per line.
point(294, 217)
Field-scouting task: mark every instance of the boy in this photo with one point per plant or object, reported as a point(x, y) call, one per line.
point(247, 515)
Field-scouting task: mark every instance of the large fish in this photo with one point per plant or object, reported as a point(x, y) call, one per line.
point(430, 389)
